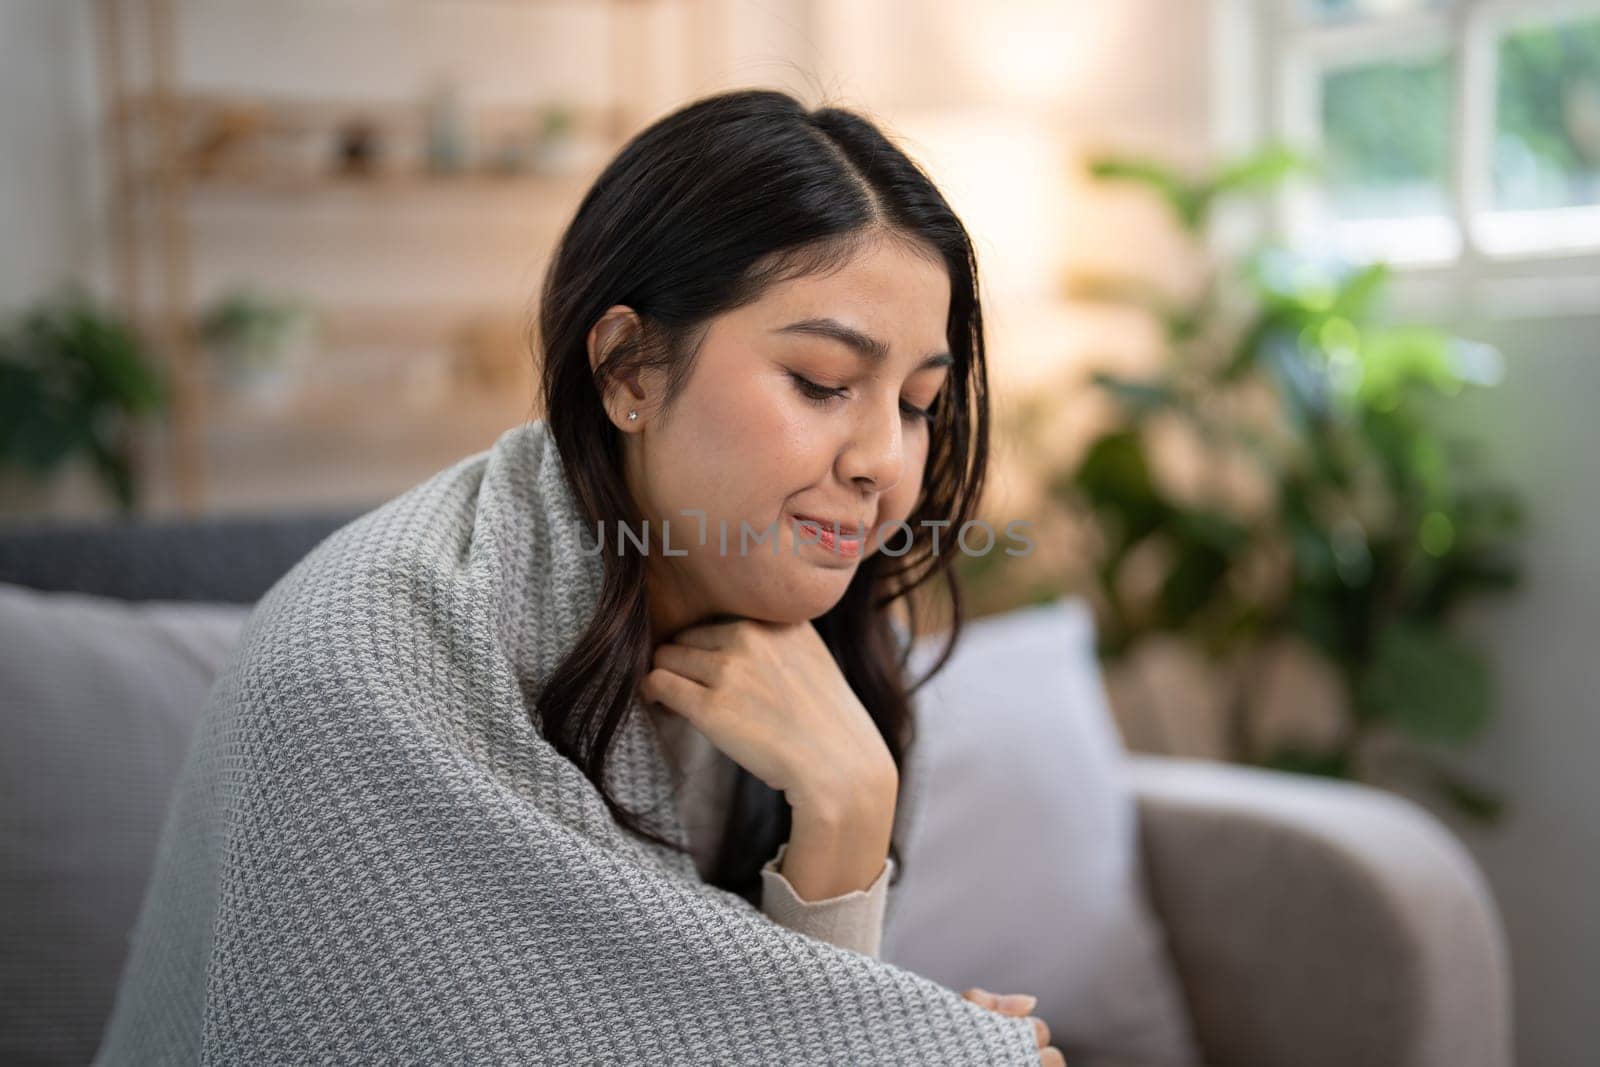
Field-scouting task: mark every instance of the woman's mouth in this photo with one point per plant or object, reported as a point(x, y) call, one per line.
point(820, 533)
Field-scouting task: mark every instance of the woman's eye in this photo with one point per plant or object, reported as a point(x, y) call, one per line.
point(821, 394)
point(809, 389)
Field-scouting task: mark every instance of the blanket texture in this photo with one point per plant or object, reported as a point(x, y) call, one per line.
point(374, 856)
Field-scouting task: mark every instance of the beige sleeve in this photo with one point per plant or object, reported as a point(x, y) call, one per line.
point(851, 920)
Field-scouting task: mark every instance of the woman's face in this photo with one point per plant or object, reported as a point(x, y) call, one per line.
point(782, 417)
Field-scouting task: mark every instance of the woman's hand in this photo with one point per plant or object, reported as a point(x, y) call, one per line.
point(1020, 1004)
point(771, 696)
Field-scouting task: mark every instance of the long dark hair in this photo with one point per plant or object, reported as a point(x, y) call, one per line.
point(697, 215)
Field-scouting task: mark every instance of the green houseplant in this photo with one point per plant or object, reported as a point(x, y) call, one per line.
point(554, 139)
point(1377, 526)
point(74, 382)
point(257, 343)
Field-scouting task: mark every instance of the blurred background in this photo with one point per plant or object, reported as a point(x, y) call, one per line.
point(1294, 316)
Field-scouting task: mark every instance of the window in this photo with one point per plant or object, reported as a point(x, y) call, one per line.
point(1448, 130)
point(1544, 162)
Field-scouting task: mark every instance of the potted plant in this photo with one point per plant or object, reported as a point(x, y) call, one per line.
point(1369, 526)
point(554, 143)
point(75, 381)
point(257, 344)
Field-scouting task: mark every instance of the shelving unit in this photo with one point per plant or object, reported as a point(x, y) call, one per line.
point(174, 149)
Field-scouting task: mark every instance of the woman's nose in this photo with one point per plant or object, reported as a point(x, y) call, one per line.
point(875, 454)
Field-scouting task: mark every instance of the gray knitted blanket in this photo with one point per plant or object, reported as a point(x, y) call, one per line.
point(374, 857)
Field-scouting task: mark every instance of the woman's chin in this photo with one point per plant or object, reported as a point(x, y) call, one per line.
point(806, 595)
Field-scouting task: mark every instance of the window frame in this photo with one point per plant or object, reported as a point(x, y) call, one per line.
point(1509, 263)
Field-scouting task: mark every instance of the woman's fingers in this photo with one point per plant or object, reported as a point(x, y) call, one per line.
point(1051, 1057)
point(697, 664)
point(1019, 1004)
point(682, 695)
point(710, 635)
point(1010, 1004)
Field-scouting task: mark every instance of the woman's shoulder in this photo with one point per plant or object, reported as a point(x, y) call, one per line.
point(427, 570)
point(378, 565)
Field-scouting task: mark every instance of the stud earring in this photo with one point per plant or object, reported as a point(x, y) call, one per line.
point(632, 415)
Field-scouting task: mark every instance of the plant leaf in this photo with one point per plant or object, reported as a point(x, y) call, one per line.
point(1425, 682)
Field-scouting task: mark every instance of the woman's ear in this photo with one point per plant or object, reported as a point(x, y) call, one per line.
point(623, 392)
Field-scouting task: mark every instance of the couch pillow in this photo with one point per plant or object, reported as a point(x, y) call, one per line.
point(98, 700)
point(1020, 853)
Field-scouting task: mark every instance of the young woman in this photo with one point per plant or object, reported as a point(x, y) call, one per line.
point(588, 748)
point(799, 337)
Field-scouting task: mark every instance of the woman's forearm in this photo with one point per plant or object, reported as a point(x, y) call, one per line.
point(838, 842)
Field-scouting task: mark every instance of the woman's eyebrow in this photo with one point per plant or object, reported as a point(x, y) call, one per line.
point(869, 348)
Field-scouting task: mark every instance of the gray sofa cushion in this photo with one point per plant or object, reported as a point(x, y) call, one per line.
point(230, 559)
point(1037, 889)
point(97, 700)
point(1322, 923)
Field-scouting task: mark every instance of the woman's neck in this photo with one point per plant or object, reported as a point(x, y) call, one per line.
point(671, 606)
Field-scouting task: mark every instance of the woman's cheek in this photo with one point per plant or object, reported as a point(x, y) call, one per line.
point(896, 507)
point(790, 418)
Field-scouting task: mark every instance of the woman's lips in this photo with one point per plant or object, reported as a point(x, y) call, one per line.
point(820, 533)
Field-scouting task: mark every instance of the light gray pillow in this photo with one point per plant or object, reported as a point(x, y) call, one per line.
point(1020, 852)
point(98, 701)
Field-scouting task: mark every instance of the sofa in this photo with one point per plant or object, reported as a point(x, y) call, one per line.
point(1301, 921)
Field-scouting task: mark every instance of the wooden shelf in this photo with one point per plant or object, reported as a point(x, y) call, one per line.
point(400, 327)
point(281, 114)
point(366, 366)
point(354, 414)
point(276, 145)
point(170, 145)
point(333, 457)
point(387, 183)
point(413, 326)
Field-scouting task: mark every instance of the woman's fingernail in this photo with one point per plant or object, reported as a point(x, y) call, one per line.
point(1018, 1001)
